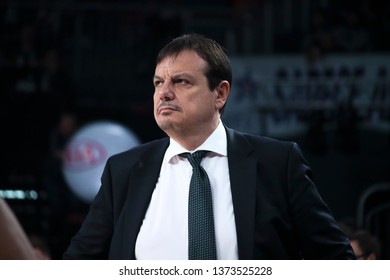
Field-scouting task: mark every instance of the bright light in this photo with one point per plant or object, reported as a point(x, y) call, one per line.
point(19, 194)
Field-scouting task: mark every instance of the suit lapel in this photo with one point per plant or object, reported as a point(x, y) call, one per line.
point(144, 175)
point(242, 170)
point(141, 185)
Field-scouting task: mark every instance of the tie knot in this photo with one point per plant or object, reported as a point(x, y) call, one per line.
point(195, 158)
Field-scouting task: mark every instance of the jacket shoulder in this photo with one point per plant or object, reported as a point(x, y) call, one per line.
point(260, 144)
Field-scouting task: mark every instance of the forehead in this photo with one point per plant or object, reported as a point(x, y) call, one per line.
point(184, 61)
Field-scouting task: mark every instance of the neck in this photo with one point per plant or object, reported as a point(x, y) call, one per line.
point(191, 140)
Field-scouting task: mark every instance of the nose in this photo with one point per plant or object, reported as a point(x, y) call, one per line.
point(165, 91)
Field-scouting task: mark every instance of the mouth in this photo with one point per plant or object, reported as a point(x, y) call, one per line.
point(165, 108)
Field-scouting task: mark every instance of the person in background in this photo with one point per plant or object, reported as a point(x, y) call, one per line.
point(14, 243)
point(40, 246)
point(264, 203)
point(365, 245)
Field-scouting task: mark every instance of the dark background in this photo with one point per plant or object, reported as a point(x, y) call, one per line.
point(96, 60)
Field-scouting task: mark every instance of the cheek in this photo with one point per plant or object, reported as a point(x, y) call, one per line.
point(155, 99)
point(202, 106)
point(155, 105)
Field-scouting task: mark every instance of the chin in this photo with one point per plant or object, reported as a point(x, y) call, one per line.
point(165, 125)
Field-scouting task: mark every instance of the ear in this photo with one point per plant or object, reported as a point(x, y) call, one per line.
point(222, 90)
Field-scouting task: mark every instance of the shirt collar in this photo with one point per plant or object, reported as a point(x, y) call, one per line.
point(216, 143)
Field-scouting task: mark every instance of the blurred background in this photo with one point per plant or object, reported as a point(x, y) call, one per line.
point(315, 72)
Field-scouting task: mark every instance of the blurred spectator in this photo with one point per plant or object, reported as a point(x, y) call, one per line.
point(320, 32)
point(40, 246)
point(365, 245)
point(14, 244)
point(65, 209)
point(57, 190)
point(352, 35)
point(61, 134)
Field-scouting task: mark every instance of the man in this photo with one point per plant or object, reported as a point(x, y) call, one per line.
point(265, 205)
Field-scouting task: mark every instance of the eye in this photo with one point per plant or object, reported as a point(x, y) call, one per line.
point(182, 81)
point(157, 83)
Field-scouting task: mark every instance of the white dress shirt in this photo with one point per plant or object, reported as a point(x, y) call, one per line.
point(164, 231)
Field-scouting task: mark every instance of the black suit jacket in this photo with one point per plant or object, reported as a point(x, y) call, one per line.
point(278, 211)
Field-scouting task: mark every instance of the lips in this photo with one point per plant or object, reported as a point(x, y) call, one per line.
point(164, 107)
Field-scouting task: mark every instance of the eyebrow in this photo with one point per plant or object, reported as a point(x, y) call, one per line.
point(176, 76)
point(156, 77)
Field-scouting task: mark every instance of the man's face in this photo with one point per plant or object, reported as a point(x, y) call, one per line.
point(183, 103)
